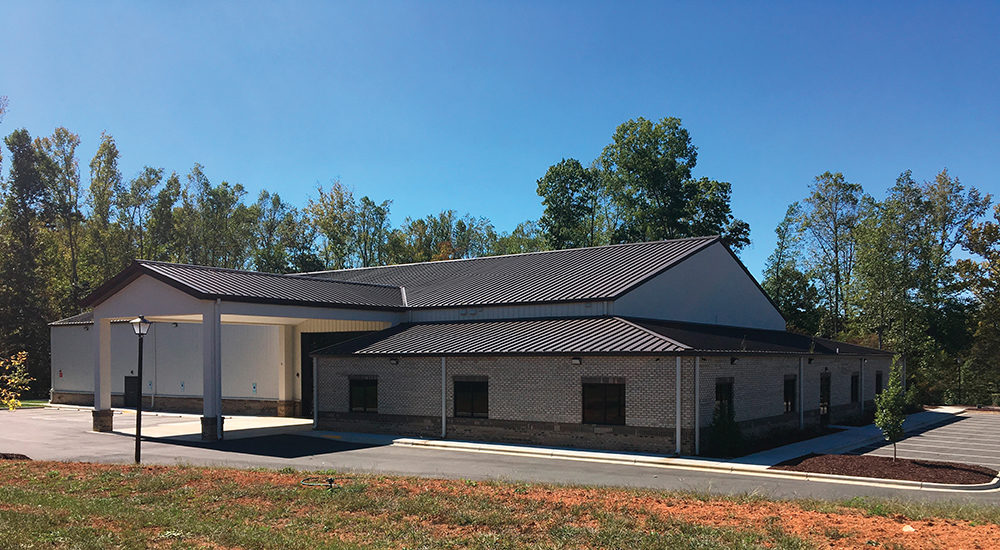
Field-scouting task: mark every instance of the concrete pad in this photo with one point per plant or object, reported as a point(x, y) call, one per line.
point(236, 427)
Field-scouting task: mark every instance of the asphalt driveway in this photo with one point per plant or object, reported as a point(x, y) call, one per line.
point(971, 438)
point(65, 435)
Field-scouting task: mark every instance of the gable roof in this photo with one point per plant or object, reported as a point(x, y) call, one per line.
point(584, 335)
point(251, 286)
point(578, 274)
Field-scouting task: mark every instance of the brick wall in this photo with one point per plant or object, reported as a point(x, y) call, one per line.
point(539, 399)
point(531, 399)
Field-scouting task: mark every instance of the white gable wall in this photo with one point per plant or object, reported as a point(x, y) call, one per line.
point(709, 287)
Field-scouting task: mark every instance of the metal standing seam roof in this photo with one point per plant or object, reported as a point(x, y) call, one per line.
point(586, 335)
point(577, 274)
point(534, 336)
point(742, 340)
point(251, 286)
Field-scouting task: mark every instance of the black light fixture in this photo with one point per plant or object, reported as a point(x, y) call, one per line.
point(141, 327)
point(733, 360)
point(578, 361)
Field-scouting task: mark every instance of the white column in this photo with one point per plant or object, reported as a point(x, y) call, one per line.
point(102, 364)
point(211, 331)
point(286, 370)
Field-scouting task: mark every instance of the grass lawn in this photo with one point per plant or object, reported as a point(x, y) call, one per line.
point(74, 505)
point(33, 403)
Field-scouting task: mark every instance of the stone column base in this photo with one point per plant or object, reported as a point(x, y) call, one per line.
point(288, 408)
point(210, 428)
point(103, 420)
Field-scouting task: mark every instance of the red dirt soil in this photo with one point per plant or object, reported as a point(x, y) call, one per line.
point(838, 528)
point(884, 467)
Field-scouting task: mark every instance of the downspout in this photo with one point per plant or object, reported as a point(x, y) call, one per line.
point(315, 394)
point(861, 385)
point(152, 397)
point(217, 321)
point(677, 407)
point(802, 417)
point(697, 405)
point(444, 398)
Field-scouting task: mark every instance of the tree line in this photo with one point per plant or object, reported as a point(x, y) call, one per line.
point(846, 265)
point(885, 273)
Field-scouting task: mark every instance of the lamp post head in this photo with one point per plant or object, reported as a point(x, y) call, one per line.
point(140, 325)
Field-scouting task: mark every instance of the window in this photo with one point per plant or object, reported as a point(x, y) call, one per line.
point(472, 398)
point(878, 382)
point(790, 393)
point(724, 396)
point(603, 403)
point(364, 395)
point(855, 387)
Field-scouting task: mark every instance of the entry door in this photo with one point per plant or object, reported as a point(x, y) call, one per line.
point(824, 398)
point(131, 388)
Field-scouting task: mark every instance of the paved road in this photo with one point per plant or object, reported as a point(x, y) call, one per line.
point(972, 438)
point(61, 434)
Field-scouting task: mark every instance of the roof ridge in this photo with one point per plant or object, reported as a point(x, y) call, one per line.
point(616, 245)
point(264, 273)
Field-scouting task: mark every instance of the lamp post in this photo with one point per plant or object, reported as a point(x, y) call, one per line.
point(140, 326)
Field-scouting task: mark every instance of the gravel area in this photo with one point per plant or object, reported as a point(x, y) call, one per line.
point(885, 468)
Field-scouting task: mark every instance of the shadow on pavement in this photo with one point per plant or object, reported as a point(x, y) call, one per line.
point(277, 446)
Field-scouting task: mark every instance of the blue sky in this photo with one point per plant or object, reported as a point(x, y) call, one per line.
point(465, 104)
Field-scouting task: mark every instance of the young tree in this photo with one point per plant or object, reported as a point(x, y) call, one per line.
point(890, 407)
point(14, 380)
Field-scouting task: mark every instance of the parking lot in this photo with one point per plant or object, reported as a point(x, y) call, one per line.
point(971, 438)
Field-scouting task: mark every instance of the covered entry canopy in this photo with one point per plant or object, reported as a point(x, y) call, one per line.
point(178, 293)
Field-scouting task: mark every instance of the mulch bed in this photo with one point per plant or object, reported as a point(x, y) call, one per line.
point(883, 467)
point(12, 456)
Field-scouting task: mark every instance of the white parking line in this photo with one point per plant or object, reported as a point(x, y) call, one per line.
point(949, 455)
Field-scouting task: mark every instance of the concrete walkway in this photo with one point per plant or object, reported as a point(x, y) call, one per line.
point(187, 427)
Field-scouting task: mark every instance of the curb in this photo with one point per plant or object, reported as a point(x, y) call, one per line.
point(687, 464)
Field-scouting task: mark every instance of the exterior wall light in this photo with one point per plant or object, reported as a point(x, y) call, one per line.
point(733, 360)
point(394, 360)
point(576, 361)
